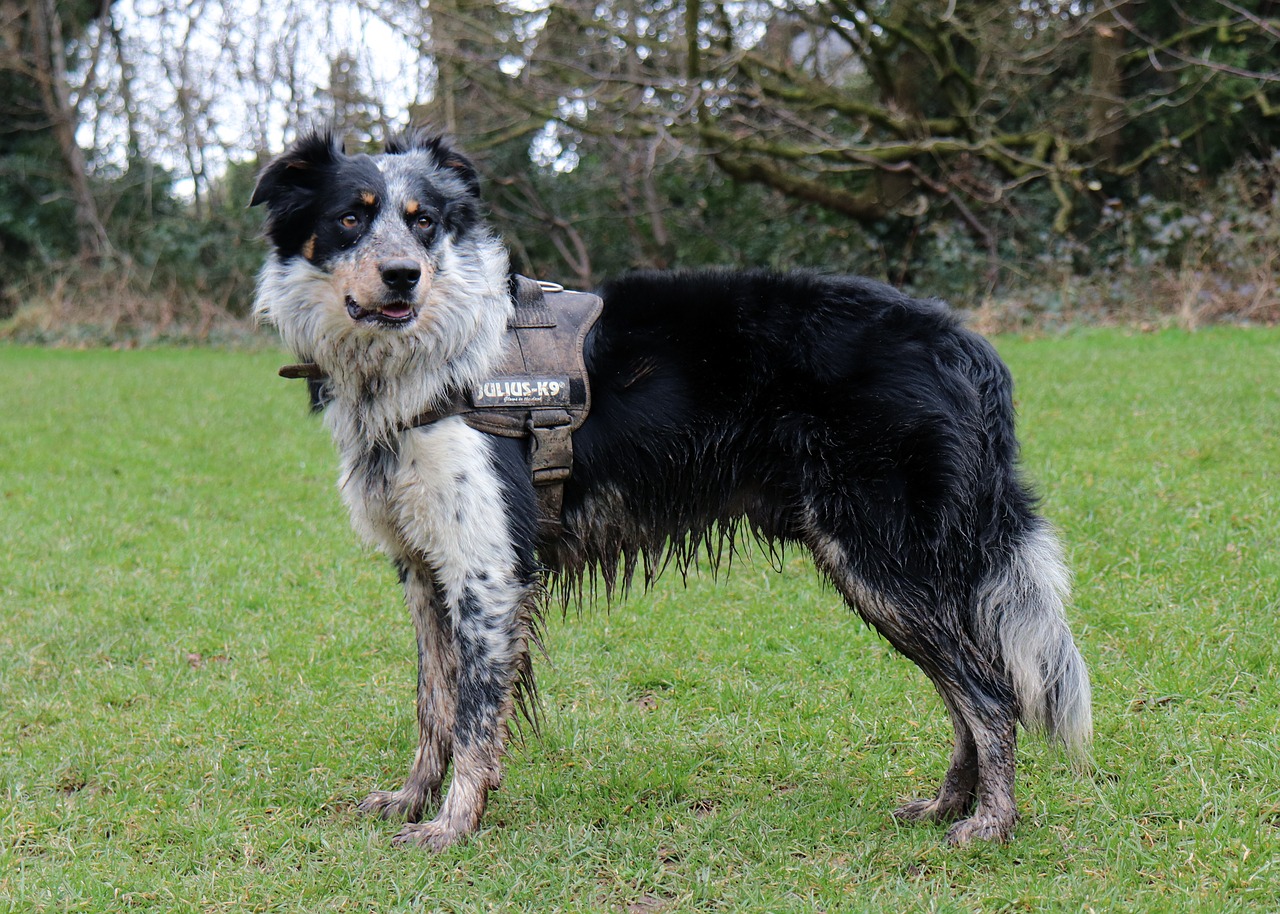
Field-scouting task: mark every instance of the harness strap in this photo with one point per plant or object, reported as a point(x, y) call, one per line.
point(550, 435)
point(309, 370)
point(540, 389)
point(551, 464)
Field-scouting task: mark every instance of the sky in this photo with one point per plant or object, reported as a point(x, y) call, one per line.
point(250, 67)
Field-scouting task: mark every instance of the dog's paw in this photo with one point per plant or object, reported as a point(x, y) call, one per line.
point(982, 827)
point(433, 835)
point(394, 804)
point(934, 810)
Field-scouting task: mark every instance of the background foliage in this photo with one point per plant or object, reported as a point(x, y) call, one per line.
point(1040, 159)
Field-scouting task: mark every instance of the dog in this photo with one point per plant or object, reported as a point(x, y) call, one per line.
point(830, 412)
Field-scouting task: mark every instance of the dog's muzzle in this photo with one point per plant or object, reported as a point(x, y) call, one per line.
point(400, 278)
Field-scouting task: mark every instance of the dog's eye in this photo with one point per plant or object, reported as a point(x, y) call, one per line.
point(349, 220)
point(422, 222)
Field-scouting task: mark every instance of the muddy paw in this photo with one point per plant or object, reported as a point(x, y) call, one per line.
point(938, 809)
point(926, 811)
point(996, 829)
point(394, 804)
point(432, 835)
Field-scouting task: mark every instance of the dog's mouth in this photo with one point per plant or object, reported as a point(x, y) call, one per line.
point(392, 314)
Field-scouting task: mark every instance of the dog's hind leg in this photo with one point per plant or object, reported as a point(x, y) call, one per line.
point(1020, 625)
point(978, 788)
point(436, 702)
point(995, 742)
point(982, 707)
point(980, 777)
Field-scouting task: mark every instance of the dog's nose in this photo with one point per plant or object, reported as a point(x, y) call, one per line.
point(401, 274)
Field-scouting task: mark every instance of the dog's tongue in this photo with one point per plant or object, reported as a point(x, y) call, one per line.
point(397, 311)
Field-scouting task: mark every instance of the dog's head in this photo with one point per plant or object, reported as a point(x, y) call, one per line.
point(383, 272)
point(376, 225)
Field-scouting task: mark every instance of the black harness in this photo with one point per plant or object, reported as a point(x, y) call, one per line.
point(538, 391)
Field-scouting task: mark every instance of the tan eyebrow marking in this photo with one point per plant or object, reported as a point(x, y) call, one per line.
point(412, 207)
point(367, 197)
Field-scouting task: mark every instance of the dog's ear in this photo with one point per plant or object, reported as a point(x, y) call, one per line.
point(442, 150)
point(301, 167)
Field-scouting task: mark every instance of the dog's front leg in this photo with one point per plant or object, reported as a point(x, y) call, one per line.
point(466, 507)
point(436, 701)
point(491, 643)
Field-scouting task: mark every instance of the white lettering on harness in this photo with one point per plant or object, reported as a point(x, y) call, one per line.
point(521, 392)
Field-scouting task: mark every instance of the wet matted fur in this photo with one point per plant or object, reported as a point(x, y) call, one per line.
point(831, 412)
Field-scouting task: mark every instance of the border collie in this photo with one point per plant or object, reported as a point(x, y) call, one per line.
point(832, 412)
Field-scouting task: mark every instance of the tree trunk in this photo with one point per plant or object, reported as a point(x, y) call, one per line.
point(1106, 90)
point(51, 76)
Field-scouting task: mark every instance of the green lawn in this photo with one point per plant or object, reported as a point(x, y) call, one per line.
point(201, 671)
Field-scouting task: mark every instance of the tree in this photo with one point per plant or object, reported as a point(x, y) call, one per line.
point(38, 125)
point(883, 112)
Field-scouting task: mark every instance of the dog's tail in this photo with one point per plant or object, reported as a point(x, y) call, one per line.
point(1020, 613)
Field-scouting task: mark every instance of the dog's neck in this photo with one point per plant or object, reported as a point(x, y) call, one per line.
point(378, 380)
point(374, 400)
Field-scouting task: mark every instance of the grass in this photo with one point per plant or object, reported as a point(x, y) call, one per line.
point(200, 671)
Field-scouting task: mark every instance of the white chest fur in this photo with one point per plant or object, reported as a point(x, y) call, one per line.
point(435, 497)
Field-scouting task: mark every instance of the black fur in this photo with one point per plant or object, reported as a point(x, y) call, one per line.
point(720, 396)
